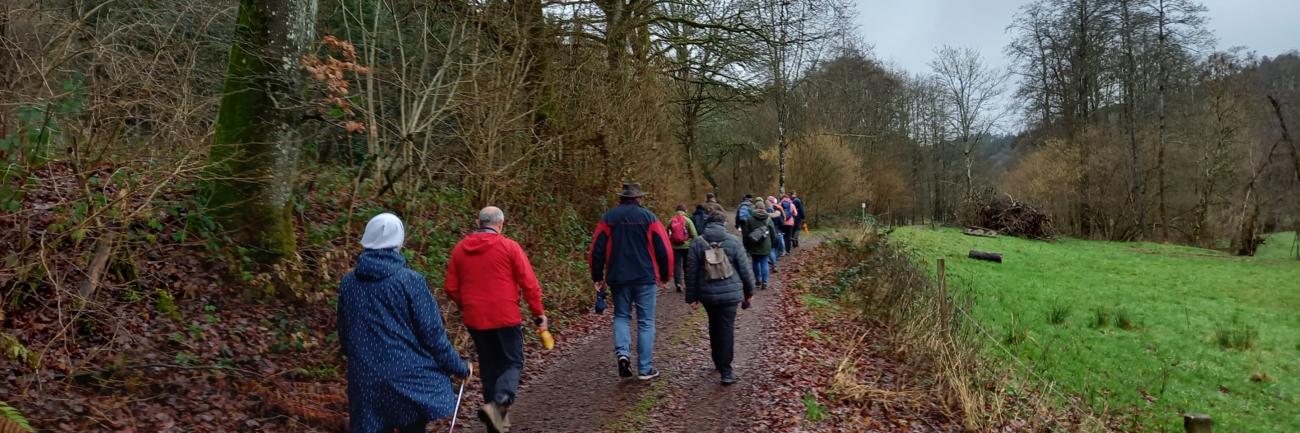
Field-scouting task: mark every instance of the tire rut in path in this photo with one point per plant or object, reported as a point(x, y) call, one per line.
point(582, 391)
point(696, 401)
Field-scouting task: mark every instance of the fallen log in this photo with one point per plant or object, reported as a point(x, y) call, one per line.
point(985, 255)
point(979, 231)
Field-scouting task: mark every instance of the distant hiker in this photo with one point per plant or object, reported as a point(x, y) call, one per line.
point(484, 277)
point(701, 215)
point(629, 255)
point(743, 210)
point(787, 223)
point(390, 328)
point(681, 231)
point(799, 216)
point(757, 235)
point(775, 255)
point(719, 276)
point(775, 214)
point(710, 198)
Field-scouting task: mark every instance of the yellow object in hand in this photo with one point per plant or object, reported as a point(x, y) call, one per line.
point(548, 342)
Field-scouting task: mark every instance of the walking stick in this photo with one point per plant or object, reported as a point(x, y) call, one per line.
point(455, 413)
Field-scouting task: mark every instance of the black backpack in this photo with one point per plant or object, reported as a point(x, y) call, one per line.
point(758, 234)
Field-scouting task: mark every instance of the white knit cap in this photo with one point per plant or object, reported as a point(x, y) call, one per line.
point(383, 232)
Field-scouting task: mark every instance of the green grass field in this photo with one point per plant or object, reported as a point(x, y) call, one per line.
point(1142, 331)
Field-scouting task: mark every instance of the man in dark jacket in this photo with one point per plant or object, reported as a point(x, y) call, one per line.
point(717, 290)
point(700, 217)
point(798, 217)
point(629, 255)
point(485, 276)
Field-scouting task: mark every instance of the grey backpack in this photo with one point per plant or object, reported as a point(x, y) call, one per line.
point(716, 264)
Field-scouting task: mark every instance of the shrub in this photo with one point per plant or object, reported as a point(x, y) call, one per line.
point(1057, 314)
point(1124, 319)
point(1100, 317)
point(1016, 332)
point(1236, 335)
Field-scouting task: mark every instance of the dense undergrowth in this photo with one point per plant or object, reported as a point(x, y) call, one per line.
point(182, 331)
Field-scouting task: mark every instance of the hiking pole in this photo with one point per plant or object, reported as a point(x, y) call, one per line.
point(456, 412)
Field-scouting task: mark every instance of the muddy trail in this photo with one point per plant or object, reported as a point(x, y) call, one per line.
point(581, 391)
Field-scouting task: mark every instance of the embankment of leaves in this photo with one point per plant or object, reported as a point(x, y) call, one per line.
point(837, 372)
point(182, 333)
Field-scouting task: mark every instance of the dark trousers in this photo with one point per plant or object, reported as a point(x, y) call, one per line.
point(679, 266)
point(798, 227)
point(789, 236)
point(722, 334)
point(500, 362)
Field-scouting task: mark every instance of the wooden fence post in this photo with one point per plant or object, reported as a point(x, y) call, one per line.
point(943, 279)
point(1198, 423)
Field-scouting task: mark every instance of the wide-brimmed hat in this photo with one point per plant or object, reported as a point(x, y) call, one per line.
point(631, 190)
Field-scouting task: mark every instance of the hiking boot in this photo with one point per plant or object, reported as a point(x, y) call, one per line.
point(624, 367)
point(493, 417)
point(728, 377)
point(653, 373)
point(679, 288)
point(762, 286)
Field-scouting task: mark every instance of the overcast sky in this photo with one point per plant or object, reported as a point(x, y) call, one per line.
point(905, 32)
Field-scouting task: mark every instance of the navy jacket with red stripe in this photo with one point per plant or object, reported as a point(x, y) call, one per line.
point(630, 248)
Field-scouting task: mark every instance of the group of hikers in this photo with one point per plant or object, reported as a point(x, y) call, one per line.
point(401, 362)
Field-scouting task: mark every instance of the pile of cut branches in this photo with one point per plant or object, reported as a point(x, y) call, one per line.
point(1002, 213)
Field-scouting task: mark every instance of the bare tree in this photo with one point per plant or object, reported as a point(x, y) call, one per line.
point(971, 90)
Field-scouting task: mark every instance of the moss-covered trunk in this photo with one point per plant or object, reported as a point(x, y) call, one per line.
point(255, 148)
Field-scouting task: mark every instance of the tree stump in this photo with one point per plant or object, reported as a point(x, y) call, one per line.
point(1198, 423)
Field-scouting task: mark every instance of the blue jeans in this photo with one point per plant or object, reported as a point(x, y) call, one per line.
point(644, 299)
point(760, 268)
point(771, 258)
point(778, 247)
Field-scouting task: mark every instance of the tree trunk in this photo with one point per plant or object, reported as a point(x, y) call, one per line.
point(1295, 158)
point(255, 144)
point(1163, 77)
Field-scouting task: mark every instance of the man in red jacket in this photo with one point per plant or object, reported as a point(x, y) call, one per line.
point(484, 277)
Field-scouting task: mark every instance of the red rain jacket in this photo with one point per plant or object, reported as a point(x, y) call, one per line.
point(484, 277)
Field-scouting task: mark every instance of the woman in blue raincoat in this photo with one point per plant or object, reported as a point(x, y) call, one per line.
point(400, 361)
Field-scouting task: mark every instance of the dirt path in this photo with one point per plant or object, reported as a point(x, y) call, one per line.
point(582, 390)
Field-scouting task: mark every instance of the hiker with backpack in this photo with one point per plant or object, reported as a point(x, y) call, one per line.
point(629, 257)
point(399, 359)
point(743, 211)
point(719, 276)
point(681, 230)
point(485, 276)
point(787, 223)
point(776, 253)
point(757, 237)
point(775, 214)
